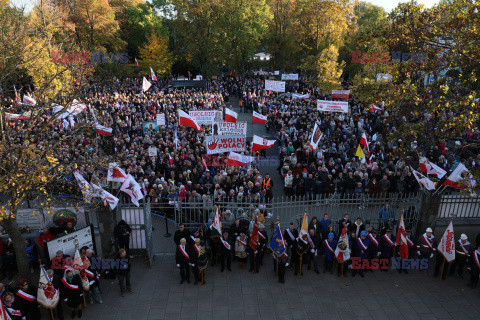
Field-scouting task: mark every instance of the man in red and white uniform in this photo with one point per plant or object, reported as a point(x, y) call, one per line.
point(27, 298)
point(426, 245)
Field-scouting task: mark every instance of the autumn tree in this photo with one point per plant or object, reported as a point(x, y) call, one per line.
point(156, 54)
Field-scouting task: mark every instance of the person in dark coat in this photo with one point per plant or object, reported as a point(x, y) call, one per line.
point(72, 292)
point(194, 254)
point(329, 247)
point(311, 255)
point(225, 249)
point(474, 267)
point(183, 260)
point(301, 246)
point(123, 273)
point(360, 250)
point(373, 250)
point(12, 306)
point(93, 279)
point(344, 222)
point(182, 232)
point(462, 252)
point(387, 246)
point(27, 297)
point(290, 234)
point(122, 234)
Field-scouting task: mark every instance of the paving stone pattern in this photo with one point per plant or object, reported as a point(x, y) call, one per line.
point(241, 295)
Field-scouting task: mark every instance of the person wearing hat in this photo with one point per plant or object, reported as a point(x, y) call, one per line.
point(462, 252)
point(27, 298)
point(387, 246)
point(329, 246)
point(474, 267)
point(426, 245)
point(360, 250)
point(72, 291)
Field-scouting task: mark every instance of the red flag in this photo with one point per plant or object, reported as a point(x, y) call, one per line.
point(254, 237)
point(402, 239)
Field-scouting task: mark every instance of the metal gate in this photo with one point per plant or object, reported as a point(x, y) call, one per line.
point(140, 221)
point(286, 210)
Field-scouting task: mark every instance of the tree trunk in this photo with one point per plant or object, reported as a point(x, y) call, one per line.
point(107, 222)
point(11, 227)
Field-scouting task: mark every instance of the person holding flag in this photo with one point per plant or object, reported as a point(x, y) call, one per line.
point(401, 242)
point(474, 267)
point(302, 245)
point(426, 245)
point(342, 251)
point(329, 246)
point(279, 250)
point(225, 252)
point(27, 297)
point(262, 242)
point(462, 254)
point(253, 246)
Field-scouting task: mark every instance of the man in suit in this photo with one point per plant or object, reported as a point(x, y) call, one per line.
point(359, 250)
point(373, 250)
point(225, 252)
point(194, 254)
point(290, 234)
point(344, 222)
point(182, 232)
point(183, 260)
point(387, 245)
point(300, 247)
point(329, 253)
point(311, 255)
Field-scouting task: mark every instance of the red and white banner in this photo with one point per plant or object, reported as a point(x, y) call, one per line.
point(238, 160)
point(115, 173)
point(460, 178)
point(447, 244)
point(423, 181)
point(206, 117)
point(108, 198)
point(230, 115)
point(431, 168)
point(29, 101)
point(332, 106)
point(342, 252)
point(136, 63)
point(3, 313)
point(146, 84)
point(225, 143)
point(259, 118)
point(15, 117)
point(133, 189)
point(316, 137)
point(103, 131)
point(153, 77)
point(402, 239)
point(186, 120)
point(223, 127)
point(374, 108)
point(260, 143)
point(340, 94)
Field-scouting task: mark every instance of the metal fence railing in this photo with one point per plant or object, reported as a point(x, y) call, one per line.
point(459, 206)
point(286, 209)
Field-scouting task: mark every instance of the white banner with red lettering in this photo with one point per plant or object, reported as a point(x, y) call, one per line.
point(222, 128)
point(332, 106)
point(340, 94)
point(272, 85)
point(447, 244)
point(225, 143)
point(206, 117)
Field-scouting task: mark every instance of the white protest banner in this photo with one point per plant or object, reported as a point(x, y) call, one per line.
point(152, 151)
point(161, 119)
point(300, 96)
point(206, 117)
point(222, 128)
point(290, 76)
point(66, 243)
point(332, 106)
point(278, 86)
point(340, 94)
point(225, 143)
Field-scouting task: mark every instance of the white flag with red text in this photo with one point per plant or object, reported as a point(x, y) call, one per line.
point(423, 181)
point(115, 173)
point(447, 244)
point(47, 295)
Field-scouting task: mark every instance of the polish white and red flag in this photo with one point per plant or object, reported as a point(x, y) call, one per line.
point(186, 120)
point(460, 178)
point(340, 94)
point(136, 63)
point(115, 173)
point(15, 117)
point(238, 160)
point(133, 189)
point(109, 199)
point(260, 143)
point(47, 295)
point(103, 131)
point(364, 142)
point(29, 101)
point(423, 181)
point(401, 240)
point(230, 115)
point(447, 244)
point(259, 118)
point(431, 168)
point(374, 108)
point(152, 75)
point(3, 313)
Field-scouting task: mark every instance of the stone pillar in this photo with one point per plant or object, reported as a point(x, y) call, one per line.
point(106, 223)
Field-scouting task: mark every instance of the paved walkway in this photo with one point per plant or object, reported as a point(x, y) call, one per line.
point(241, 295)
